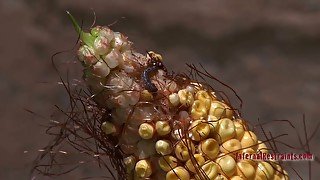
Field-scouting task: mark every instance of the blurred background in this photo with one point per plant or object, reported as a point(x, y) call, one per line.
point(268, 51)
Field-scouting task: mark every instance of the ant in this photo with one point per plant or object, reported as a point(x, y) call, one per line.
point(154, 64)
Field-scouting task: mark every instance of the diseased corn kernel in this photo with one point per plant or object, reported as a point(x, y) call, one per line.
point(143, 169)
point(87, 55)
point(264, 171)
point(196, 163)
point(232, 145)
point(101, 69)
point(185, 97)
point(145, 149)
point(163, 147)
point(121, 42)
point(209, 148)
point(172, 86)
point(178, 173)
point(130, 163)
point(227, 165)
point(163, 128)
point(121, 100)
point(262, 147)
point(199, 110)
point(220, 110)
point(174, 99)
point(239, 129)
point(183, 148)
point(245, 170)
point(108, 128)
point(113, 58)
point(210, 169)
point(249, 139)
point(204, 97)
point(199, 130)
point(101, 45)
point(225, 130)
point(237, 178)
point(103, 31)
point(146, 131)
point(167, 163)
point(190, 89)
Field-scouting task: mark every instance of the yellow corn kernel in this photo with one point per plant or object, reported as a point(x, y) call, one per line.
point(232, 145)
point(163, 128)
point(237, 178)
point(264, 171)
point(174, 99)
point(199, 110)
point(210, 168)
point(249, 151)
point(198, 161)
point(281, 176)
point(183, 148)
point(245, 170)
point(143, 169)
point(185, 97)
point(225, 130)
point(163, 147)
point(178, 173)
point(213, 122)
point(227, 165)
point(209, 148)
point(239, 129)
point(130, 163)
point(204, 97)
point(220, 110)
point(146, 131)
point(221, 177)
point(167, 163)
point(146, 96)
point(199, 130)
point(262, 147)
point(108, 128)
point(249, 139)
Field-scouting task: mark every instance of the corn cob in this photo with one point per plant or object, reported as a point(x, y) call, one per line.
point(179, 129)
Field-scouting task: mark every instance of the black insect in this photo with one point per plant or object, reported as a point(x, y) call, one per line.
point(154, 64)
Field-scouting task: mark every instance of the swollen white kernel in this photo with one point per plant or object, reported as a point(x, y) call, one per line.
point(101, 45)
point(112, 59)
point(101, 69)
